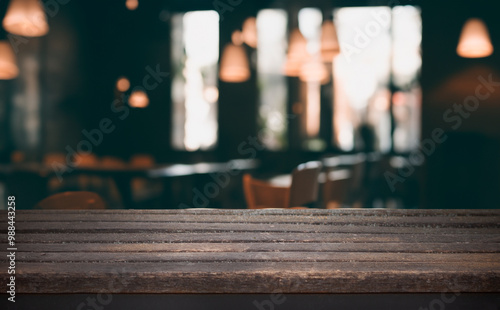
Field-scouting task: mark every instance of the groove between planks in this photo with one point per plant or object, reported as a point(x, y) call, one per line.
point(308, 212)
point(258, 257)
point(262, 247)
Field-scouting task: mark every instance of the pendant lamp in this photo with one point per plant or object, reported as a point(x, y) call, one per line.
point(138, 99)
point(314, 71)
point(123, 84)
point(297, 53)
point(474, 40)
point(132, 4)
point(249, 31)
point(8, 66)
point(26, 18)
point(329, 42)
point(234, 67)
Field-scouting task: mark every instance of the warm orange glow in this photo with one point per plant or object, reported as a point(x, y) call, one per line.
point(250, 32)
point(85, 159)
point(123, 84)
point(132, 4)
point(329, 42)
point(313, 109)
point(138, 99)
point(234, 66)
point(26, 18)
point(474, 40)
point(314, 71)
point(17, 157)
point(398, 99)
point(297, 53)
point(8, 67)
point(237, 37)
point(142, 160)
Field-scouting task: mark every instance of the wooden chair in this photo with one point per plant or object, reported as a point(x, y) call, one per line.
point(303, 190)
point(72, 201)
point(336, 188)
point(260, 194)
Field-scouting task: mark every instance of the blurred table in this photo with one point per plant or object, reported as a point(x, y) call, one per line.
point(123, 175)
point(285, 180)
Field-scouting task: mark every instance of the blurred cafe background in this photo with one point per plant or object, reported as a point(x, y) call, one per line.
point(224, 104)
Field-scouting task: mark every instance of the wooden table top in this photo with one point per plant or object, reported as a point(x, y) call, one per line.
point(255, 251)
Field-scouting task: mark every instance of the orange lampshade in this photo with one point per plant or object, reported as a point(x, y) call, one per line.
point(26, 18)
point(297, 53)
point(249, 31)
point(474, 40)
point(314, 71)
point(237, 37)
point(138, 99)
point(132, 4)
point(329, 41)
point(8, 66)
point(123, 84)
point(234, 67)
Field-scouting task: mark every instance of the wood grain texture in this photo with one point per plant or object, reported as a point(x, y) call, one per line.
point(255, 251)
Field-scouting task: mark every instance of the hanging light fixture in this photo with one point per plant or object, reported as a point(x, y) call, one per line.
point(329, 41)
point(138, 99)
point(132, 4)
point(26, 18)
point(8, 67)
point(249, 31)
point(234, 67)
point(474, 40)
point(314, 71)
point(123, 84)
point(297, 53)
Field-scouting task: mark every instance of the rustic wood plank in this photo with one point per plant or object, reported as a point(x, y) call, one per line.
point(131, 227)
point(256, 277)
point(262, 247)
point(253, 237)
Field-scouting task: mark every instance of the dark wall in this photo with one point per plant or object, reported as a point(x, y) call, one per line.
point(464, 171)
point(112, 41)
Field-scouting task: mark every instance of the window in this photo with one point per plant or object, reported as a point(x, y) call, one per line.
point(195, 55)
point(376, 93)
point(272, 84)
point(406, 64)
point(379, 46)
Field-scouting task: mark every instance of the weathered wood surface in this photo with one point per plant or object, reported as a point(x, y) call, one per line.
point(256, 251)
